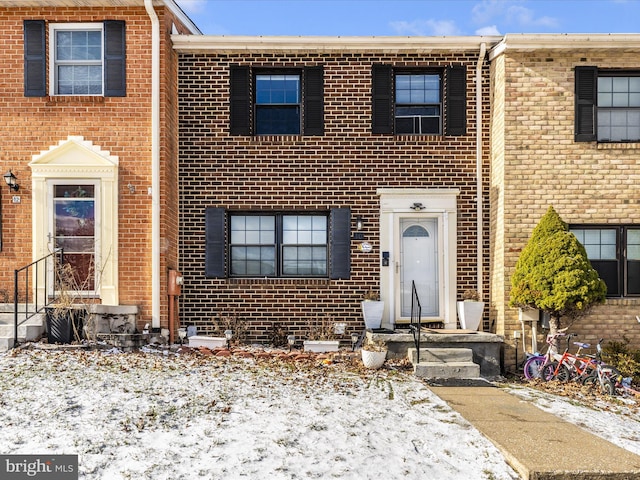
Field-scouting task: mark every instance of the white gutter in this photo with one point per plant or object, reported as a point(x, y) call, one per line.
point(155, 164)
point(479, 229)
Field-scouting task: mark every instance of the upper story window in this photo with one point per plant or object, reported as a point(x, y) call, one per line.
point(278, 106)
point(77, 59)
point(276, 102)
point(83, 59)
point(614, 251)
point(419, 101)
point(607, 105)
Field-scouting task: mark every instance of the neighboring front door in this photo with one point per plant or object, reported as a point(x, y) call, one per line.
point(418, 264)
point(73, 205)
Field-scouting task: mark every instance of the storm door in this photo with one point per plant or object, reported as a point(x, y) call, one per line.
point(73, 228)
point(419, 263)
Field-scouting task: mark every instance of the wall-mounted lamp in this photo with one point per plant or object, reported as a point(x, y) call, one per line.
point(10, 178)
point(358, 223)
point(417, 206)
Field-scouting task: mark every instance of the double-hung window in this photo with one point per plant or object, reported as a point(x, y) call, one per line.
point(419, 101)
point(276, 102)
point(82, 59)
point(614, 251)
point(77, 59)
point(278, 106)
point(278, 244)
point(607, 105)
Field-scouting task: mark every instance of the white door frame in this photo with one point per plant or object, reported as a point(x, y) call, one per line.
point(427, 203)
point(76, 160)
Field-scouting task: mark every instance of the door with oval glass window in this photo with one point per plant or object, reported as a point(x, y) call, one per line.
point(418, 263)
point(74, 217)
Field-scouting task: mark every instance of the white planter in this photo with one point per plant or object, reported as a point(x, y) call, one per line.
point(372, 313)
point(470, 314)
point(373, 360)
point(209, 342)
point(321, 346)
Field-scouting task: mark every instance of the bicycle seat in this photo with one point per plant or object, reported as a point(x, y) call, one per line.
point(582, 345)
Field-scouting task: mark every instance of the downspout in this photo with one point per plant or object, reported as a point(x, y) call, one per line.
point(155, 164)
point(479, 229)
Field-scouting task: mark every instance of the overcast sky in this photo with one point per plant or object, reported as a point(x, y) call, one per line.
point(412, 17)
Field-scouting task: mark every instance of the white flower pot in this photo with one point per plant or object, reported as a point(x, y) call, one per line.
point(321, 346)
point(470, 314)
point(373, 360)
point(372, 313)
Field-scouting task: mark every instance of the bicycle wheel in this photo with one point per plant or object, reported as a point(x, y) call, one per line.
point(563, 375)
point(608, 387)
point(549, 371)
point(533, 367)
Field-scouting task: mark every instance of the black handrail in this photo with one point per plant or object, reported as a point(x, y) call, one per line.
point(27, 269)
point(416, 314)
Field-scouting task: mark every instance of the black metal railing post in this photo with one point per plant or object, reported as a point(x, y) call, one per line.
point(416, 314)
point(35, 268)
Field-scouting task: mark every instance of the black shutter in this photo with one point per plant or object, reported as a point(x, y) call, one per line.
point(313, 101)
point(240, 99)
point(214, 255)
point(586, 79)
point(340, 243)
point(381, 99)
point(115, 59)
point(456, 121)
point(35, 59)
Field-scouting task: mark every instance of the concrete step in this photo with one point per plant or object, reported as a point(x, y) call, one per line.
point(446, 370)
point(30, 329)
point(441, 355)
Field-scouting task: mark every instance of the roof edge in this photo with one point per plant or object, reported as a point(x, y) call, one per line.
point(230, 43)
point(565, 41)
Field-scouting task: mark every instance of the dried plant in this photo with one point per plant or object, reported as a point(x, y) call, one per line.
point(222, 322)
point(471, 295)
point(322, 328)
point(371, 295)
point(374, 345)
point(278, 335)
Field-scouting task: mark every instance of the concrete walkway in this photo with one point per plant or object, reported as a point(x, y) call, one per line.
point(538, 445)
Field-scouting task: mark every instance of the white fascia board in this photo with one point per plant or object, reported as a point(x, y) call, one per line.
point(565, 41)
point(240, 43)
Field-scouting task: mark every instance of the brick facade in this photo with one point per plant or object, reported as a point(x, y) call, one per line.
point(119, 125)
point(537, 163)
point(342, 168)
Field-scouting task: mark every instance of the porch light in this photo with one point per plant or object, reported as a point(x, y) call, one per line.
point(417, 206)
point(10, 178)
point(291, 340)
point(358, 223)
point(228, 334)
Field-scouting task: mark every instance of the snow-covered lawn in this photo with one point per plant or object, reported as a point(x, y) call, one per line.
point(157, 416)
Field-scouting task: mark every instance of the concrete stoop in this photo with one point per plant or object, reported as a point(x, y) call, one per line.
point(28, 330)
point(444, 363)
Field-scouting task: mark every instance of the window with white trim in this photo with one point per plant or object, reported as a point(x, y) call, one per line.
point(77, 53)
point(287, 245)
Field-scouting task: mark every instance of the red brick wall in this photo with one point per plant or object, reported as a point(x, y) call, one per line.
point(119, 125)
point(344, 167)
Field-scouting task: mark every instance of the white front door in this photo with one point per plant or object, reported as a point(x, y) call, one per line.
point(418, 264)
